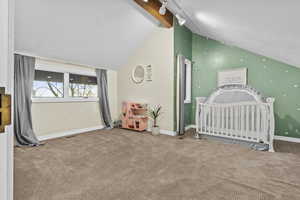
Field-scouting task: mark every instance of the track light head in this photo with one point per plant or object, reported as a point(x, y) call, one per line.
point(181, 20)
point(163, 8)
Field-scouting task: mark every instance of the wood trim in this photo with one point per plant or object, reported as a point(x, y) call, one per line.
point(152, 7)
point(5, 110)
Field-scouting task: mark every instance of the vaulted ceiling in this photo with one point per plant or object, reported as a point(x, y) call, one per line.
point(267, 27)
point(104, 33)
point(100, 33)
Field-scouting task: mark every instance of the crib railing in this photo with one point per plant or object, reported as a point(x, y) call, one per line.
point(248, 121)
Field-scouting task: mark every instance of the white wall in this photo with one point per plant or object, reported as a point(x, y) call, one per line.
point(85, 32)
point(6, 80)
point(57, 117)
point(50, 118)
point(158, 51)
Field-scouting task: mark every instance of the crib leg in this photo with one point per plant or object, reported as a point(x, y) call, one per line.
point(271, 147)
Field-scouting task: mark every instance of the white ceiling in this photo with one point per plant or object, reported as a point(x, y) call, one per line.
point(104, 33)
point(267, 27)
point(100, 33)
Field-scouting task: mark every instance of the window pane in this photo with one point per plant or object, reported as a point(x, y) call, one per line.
point(82, 86)
point(48, 84)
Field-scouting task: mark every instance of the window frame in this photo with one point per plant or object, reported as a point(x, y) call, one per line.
point(188, 81)
point(66, 73)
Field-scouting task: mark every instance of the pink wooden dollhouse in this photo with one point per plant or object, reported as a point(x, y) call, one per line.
point(134, 116)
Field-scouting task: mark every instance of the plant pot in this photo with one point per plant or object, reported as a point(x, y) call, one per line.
point(155, 130)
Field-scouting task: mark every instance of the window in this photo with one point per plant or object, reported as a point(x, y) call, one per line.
point(82, 86)
point(48, 84)
point(188, 81)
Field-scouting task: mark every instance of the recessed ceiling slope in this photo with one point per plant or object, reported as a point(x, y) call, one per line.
point(100, 33)
point(267, 27)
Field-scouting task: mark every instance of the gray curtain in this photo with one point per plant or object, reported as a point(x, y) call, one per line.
point(180, 94)
point(23, 80)
point(103, 97)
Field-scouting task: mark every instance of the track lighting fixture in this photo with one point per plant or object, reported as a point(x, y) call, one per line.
point(163, 11)
point(180, 19)
point(163, 8)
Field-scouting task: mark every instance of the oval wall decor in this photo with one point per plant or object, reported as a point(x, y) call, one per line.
point(138, 74)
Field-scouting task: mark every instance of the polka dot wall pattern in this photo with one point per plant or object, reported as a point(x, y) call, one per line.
point(270, 77)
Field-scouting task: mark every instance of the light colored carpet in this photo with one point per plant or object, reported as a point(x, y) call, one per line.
point(119, 164)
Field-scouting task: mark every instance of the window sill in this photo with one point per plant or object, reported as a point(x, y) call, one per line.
point(63, 100)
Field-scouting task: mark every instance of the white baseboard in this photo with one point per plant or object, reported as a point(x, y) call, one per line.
point(165, 132)
point(190, 126)
point(68, 133)
point(288, 139)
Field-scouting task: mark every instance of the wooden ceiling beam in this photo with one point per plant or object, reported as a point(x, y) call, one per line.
point(152, 7)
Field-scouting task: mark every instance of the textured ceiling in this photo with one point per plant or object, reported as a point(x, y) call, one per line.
point(267, 27)
point(100, 33)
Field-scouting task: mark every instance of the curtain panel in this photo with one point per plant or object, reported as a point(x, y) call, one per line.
point(103, 97)
point(23, 80)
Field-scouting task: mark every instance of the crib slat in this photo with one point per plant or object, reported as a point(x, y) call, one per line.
point(222, 120)
point(263, 114)
point(242, 121)
point(198, 124)
point(199, 118)
point(252, 120)
point(205, 117)
point(236, 127)
point(217, 119)
point(265, 121)
point(231, 119)
point(212, 114)
point(236, 120)
point(247, 121)
point(257, 121)
point(209, 119)
point(202, 119)
point(227, 121)
point(213, 119)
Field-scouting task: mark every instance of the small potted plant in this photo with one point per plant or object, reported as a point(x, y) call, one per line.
point(154, 113)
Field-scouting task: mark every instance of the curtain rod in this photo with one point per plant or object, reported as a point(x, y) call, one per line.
point(57, 60)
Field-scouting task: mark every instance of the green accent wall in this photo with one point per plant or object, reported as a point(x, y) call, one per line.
point(182, 45)
point(272, 78)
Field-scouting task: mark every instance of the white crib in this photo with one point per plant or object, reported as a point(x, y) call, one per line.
point(237, 112)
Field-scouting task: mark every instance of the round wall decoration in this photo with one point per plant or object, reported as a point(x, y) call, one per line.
point(138, 74)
